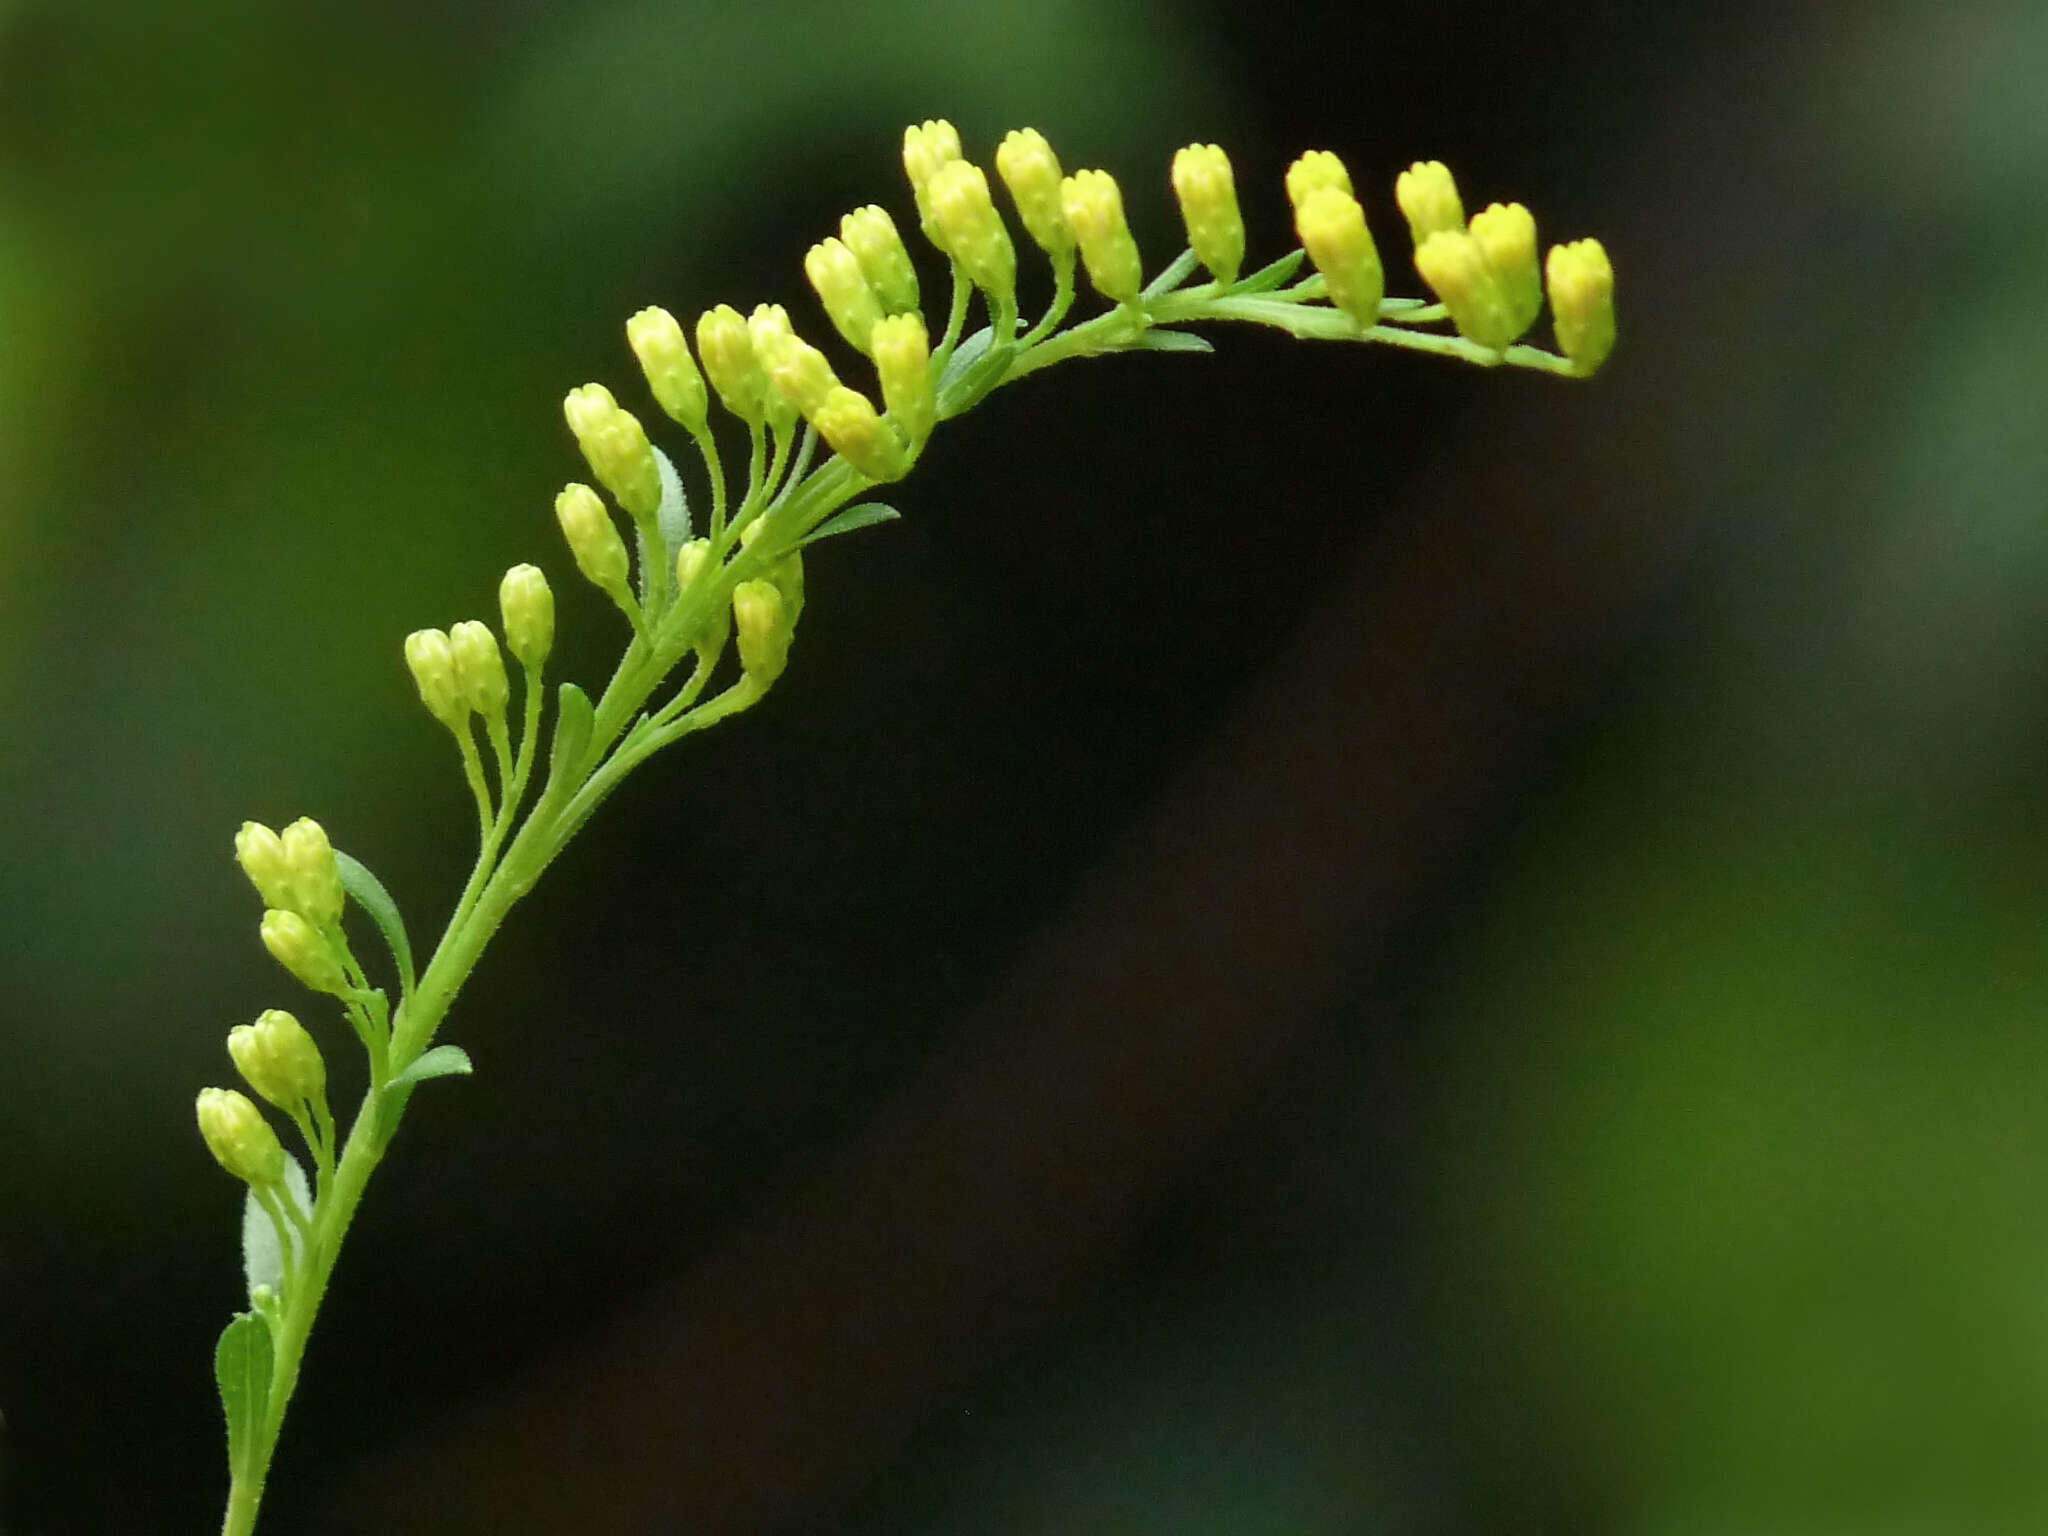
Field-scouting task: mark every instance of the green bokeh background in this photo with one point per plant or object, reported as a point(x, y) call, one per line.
point(1678, 1172)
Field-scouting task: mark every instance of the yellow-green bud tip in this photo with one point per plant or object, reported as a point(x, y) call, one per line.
point(1581, 282)
point(871, 235)
point(1333, 232)
point(1312, 172)
point(842, 287)
point(846, 419)
point(1207, 190)
point(527, 604)
point(615, 446)
point(479, 668)
point(1506, 236)
point(657, 341)
point(1453, 264)
point(1429, 199)
point(313, 879)
point(958, 202)
point(239, 1138)
point(727, 348)
point(593, 539)
point(278, 1059)
point(303, 950)
point(260, 852)
point(432, 665)
point(763, 630)
point(903, 363)
point(1031, 171)
point(926, 147)
point(1094, 208)
point(800, 372)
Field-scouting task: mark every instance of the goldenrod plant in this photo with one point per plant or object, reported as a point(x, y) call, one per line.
point(691, 594)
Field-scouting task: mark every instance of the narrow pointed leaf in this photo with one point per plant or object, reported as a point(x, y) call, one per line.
point(441, 1061)
point(1173, 341)
point(866, 515)
point(368, 893)
point(1272, 275)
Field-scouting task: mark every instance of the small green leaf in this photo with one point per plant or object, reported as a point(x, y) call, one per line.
point(964, 357)
point(1172, 277)
point(441, 1061)
point(865, 515)
point(262, 1254)
point(1172, 341)
point(674, 512)
point(574, 717)
point(241, 1367)
point(369, 894)
point(1272, 275)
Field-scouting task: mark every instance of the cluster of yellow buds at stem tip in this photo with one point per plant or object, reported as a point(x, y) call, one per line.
point(279, 1060)
point(1486, 274)
point(295, 871)
point(1332, 228)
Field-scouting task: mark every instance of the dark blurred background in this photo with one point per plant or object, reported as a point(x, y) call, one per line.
point(1317, 942)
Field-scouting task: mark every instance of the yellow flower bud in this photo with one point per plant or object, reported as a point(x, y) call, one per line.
point(764, 630)
point(615, 446)
point(871, 235)
point(279, 1060)
point(1094, 208)
point(432, 665)
point(239, 1138)
point(593, 539)
point(957, 196)
point(691, 559)
point(657, 340)
point(1207, 190)
point(1453, 264)
point(479, 668)
point(1314, 171)
point(1429, 199)
point(903, 362)
point(260, 852)
point(527, 604)
point(800, 372)
point(1333, 232)
point(1506, 236)
point(787, 574)
point(1031, 171)
point(926, 147)
point(303, 950)
point(842, 287)
point(1582, 302)
point(846, 419)
point(314, 881)
point(735, 372)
